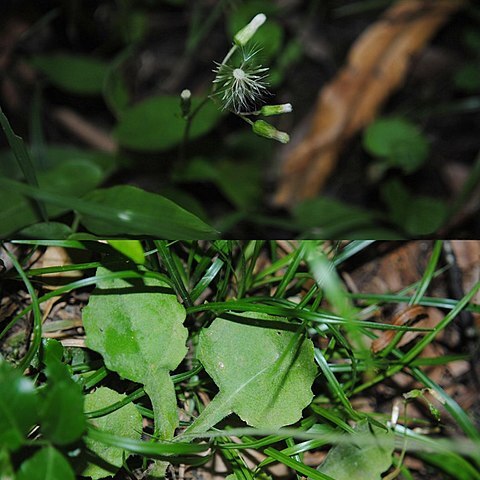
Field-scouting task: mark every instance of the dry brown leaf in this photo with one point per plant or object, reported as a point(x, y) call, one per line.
point(377, 65)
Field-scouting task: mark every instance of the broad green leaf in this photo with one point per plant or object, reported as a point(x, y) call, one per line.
point(74, 178)
point(329, 218)
point(47, 464)
point(398, 141)
point(468, 77)
point(263, 368)
point(130, 248)
point(139, 212)
point(138, 329)
point(76, 74)
point(157, 124)
point(126, 422)
point(416, 215)
point(6, 468)
point(18, 406)
point(61, 414)
point(244, 192)
point(365, 458)
point(56, 155)
point(46, 230)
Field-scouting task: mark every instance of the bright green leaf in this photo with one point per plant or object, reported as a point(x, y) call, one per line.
point(47, 464)
point(126, 422)
point(365, 458)
point(18, 406)
point(130, 248)
point(62, 420)
point(143, 213)
point(264, 372)
point(398, 141)
point(140, 334)
point(156, 123)
point(76, 74)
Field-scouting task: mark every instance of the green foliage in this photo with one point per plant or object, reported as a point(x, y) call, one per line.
point(367, 456)
point(157, 124)
point(138, 329)
point(264, 372)
point(61, 414)
point(126, 422)
point(398, 142)
point(76, 74)
point(141, 213)
point(417, 215)
point(18, 407)
point(47, 464)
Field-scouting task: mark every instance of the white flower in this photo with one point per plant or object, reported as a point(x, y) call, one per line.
point(241, 87)
point(242, 37)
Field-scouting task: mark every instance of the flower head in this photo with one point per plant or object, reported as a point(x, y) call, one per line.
point(240, 88)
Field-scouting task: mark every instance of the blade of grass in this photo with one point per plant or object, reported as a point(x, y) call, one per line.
point(23, 159)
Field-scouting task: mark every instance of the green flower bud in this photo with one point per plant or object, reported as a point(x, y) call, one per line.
point(264, 129)
point(186, 102)
point(268, 110)
point(246, 33)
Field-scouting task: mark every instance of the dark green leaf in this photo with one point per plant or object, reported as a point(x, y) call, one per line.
point(140, 334)
point(6, 468)
point(142, 213)
point(367, 456)
point(62, 419)
point(329, 218)
point(157, 124)
point(23, 159)
point(46, 230)
point(398, 141)
point(76, 74)
point(468, 77)
point(74, 178)
point(18, 406)
point(47, 464)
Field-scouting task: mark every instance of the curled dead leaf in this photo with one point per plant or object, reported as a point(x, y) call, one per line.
point(376, 66)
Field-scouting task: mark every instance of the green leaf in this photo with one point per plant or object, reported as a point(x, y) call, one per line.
point(416, 215)
point(6, 468)
point(365, 458)
point(74, 178)
point(139, 212)
point(76, 74)
point(398, 141)
point(138, 329)
point(62, 420)
point(329, 218)
point(244, 192)
point(468, 77)
point(130, 248)
point(47, 231)
point(263, 369)
point(47, 464)
point(126, 422)
point(22, 156)
point(18, 406)
point(156, 123)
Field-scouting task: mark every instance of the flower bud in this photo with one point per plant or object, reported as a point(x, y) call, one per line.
point(268, 110)
point(264, 129)
point(246, 33)
point(186, 102)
